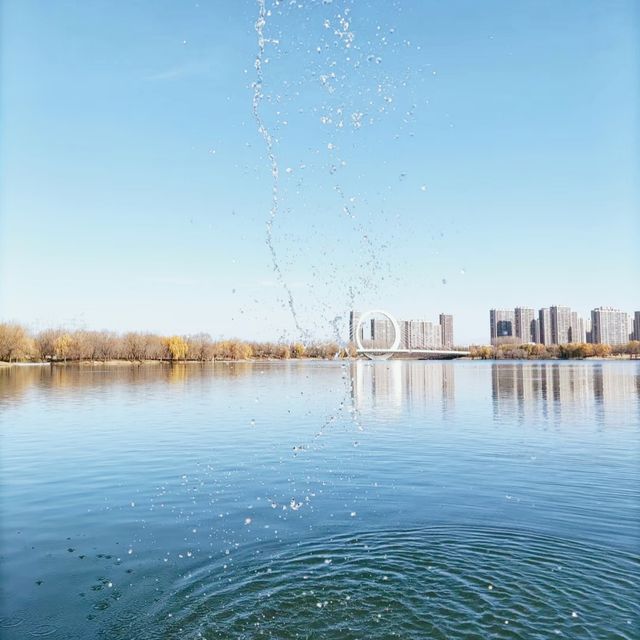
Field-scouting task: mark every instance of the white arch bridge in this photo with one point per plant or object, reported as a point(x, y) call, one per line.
point(379, 336)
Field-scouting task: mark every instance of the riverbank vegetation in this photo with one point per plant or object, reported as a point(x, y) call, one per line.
point(574, 350)
point(17, 344)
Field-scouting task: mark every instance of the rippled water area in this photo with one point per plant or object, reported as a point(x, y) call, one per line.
point(321, 500)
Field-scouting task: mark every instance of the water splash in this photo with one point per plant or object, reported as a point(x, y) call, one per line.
point(273, 160)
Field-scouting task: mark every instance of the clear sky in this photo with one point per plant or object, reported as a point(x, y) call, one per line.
point(433, 156)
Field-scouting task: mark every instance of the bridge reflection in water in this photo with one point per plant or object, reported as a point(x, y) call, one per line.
point(392, 385)
point(581, 392)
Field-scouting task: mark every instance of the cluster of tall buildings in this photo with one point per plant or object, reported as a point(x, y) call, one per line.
point(422, 334)
point(561, 325)
point(378, 332)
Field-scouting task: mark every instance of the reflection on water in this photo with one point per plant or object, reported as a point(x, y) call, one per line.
point(400, 384)
point(595, 392)
point(545, 388)
point(465, 500)
point(587, 391)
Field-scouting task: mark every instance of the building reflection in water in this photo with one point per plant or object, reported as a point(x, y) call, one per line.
point(602, 391)
point(395, 384)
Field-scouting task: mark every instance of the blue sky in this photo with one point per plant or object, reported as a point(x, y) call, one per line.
point(433, 156)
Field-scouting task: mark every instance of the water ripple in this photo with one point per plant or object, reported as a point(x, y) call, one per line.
point(444, 582)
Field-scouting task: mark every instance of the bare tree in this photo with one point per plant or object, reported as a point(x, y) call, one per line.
point(15, 343)
point(45, 342)
point(200, 347)
point(133, 346)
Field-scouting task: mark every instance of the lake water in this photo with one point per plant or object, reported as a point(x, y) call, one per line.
point(321, 500)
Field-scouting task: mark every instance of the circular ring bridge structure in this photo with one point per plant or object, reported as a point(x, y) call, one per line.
point(400, 346)
point(368, 315)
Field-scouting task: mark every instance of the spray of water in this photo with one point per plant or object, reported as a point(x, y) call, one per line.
point(273, 160)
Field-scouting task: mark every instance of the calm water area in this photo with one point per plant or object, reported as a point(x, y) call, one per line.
point(305, 499)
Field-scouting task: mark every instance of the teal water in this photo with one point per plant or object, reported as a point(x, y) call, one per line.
point(321, 500)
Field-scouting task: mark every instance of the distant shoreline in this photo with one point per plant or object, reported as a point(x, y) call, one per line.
point(64, 346)
point(172, 363)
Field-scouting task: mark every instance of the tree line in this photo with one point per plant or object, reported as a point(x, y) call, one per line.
point(573, 350)
point(17, 344)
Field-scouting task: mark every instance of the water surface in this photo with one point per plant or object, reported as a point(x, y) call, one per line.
point(321, 499)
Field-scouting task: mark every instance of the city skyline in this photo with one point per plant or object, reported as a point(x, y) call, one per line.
point(556, 325)
point(380, 330)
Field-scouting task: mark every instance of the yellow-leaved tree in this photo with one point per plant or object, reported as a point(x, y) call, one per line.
point(15, 343)
point(297, 350)
point(177, 347)
point(62, 346)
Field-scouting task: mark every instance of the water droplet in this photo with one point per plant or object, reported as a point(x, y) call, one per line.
point(247, 521)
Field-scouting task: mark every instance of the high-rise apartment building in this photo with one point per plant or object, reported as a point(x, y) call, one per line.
point(525, 324)
point(379, 331)
point(382, 333)
point(636, 325)
point(545, 335)
point(354, 318)
point(420, 334)
point(609, 326)
point(433, 335)
point(502, 326)
point(587, 330)
point(536, 330)
point(577, 332)
point(446, 329)
point(560, 325)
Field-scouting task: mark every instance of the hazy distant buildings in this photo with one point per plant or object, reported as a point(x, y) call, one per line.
point(636, 325)
point(588, 334)
point(560, 325)
point(420, 334)
point(354, 319)
point(382, 333)
point(577, 332)
point(525, 324)
point(557, 325)
point(536, 330)
point(446, 329)
point(378, 332)
point(544, 326)
point(502, 325)
point(609, 326)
